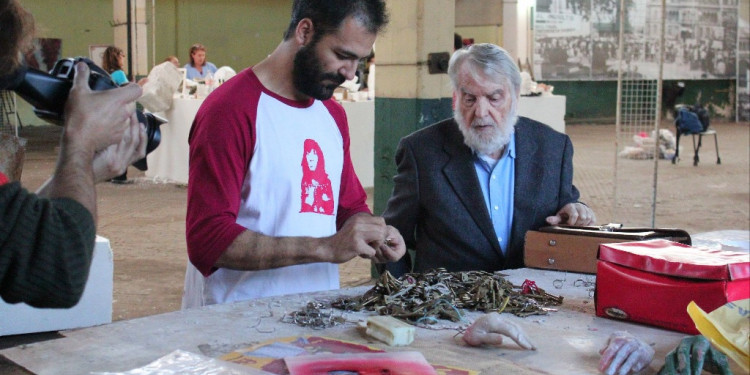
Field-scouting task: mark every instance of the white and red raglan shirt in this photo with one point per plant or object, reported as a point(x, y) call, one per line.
point(271, 165)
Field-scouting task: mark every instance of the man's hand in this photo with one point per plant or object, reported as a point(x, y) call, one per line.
point(368, 237)
point(392, 248)
point(573, 214)
point(96, 119)
point(693, 355)
point(625, 354)
point(115, 159)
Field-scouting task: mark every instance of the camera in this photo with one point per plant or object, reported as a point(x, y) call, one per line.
point(48, 92)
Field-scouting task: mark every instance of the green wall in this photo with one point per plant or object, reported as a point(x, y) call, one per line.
point(235, 33)
point(76, 25)
point(79, 24)
point(241, 33)
point(394, 119)
point(595, 101)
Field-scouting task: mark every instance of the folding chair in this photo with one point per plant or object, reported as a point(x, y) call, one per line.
point(688, 122)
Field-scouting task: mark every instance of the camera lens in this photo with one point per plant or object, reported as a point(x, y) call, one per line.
point(153, 135)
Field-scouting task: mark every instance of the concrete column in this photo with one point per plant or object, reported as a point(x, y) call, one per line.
point(139, 36)
point(407, 96)
point(517, 31)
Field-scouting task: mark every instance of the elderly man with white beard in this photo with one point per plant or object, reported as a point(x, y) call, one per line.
point(469, 188)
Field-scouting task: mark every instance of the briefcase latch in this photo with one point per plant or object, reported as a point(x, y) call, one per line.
point(551, 261)
point(611, 227)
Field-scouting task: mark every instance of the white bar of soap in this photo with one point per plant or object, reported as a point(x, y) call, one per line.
point(390, 330)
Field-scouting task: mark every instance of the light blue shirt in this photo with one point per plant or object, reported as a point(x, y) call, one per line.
point(497, 187)
point(119, 77)
point(192, 73)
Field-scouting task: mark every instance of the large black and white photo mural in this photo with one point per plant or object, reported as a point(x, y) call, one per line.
point(578, 39)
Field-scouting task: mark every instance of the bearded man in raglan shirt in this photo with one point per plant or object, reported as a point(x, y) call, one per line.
point(250, 231)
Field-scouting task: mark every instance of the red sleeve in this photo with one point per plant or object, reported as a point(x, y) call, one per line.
point(3, 178)
point(352, 197)
point(221, 146)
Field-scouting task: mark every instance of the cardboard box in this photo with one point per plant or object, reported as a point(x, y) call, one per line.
point(652, 282)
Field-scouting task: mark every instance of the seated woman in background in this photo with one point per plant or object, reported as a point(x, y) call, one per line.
point(199, 67)
point(113, 61)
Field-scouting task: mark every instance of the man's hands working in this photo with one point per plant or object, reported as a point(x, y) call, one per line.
point(573, 214)
point(363, 235)
point(115, 159)
point(96, 119)
point(368, 237)
point(101, 136)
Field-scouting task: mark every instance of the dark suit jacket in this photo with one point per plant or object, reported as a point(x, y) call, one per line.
point(438, 206)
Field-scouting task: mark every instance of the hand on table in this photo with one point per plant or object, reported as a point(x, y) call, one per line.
point(489, 329)
point(573, 214)
point(693, 355)
point(625, 354)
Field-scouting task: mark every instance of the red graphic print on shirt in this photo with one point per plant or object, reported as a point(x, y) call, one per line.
point(317, 194)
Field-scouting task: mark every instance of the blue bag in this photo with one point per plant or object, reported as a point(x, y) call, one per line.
point(688, 122)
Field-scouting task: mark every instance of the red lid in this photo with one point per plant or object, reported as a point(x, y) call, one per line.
point(675, 259)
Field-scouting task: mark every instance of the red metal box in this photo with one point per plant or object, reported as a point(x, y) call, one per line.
point(652, 282)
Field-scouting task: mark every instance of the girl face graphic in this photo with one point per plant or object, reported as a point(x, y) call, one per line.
point(312, 160)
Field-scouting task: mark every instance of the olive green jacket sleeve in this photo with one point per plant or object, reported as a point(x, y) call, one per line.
point(46, 247)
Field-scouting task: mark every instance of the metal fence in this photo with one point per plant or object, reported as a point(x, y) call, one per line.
point(637, 126)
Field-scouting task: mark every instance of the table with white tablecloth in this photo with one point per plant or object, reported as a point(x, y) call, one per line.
point(547, 109)
point(361, 118)
point(170, 160)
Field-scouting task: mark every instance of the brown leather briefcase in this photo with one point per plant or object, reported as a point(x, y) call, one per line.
point(575, 248)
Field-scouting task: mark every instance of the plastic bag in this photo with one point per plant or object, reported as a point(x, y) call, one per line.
point(163, 81)
point(186, 363)
point(727, 327)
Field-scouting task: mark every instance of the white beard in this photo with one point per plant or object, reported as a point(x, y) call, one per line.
point(486, 142)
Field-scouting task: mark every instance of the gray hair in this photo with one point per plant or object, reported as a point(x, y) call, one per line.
point(489, 59)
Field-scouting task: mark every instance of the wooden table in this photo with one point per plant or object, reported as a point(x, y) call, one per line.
point(568, 340)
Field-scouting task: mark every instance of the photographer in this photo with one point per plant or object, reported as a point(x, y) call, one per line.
point(47, 239)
